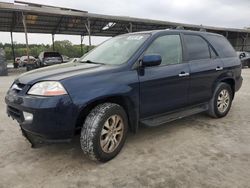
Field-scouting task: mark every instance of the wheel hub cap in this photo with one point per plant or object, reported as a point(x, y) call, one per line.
point(112, 133)
point(223, 101)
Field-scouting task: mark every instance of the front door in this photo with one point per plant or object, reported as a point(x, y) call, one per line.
point(164, 88)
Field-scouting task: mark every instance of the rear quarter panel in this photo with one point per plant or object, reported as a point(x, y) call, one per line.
point(232, 69)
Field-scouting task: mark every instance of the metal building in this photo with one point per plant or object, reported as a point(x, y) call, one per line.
point(36, 18)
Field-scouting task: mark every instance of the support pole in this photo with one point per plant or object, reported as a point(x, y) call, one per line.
point(227, 34)
point(130, 27)
point(127, 29)
point(53, 42)
point(89, 32)
point(237, 41)
point(13, 50)
point(82, 37)
point(246, 45)
point(26, 37)
point(245, 42)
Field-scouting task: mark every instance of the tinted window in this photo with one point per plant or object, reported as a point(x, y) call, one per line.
point(51, 54)
point(212, 53)
point(222, 46)
point(169, 47)
point(197, 47)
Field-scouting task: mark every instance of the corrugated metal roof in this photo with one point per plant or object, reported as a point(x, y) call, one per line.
point(57, 20)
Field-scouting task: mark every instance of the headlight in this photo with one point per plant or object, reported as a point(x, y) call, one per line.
point(47, 88)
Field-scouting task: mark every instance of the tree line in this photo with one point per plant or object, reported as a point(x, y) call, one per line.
point(64, 47)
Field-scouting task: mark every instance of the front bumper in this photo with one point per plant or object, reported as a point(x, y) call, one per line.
point(53, 117)
point(37, 140)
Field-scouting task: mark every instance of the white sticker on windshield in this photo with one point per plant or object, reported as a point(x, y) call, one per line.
point(135, 37)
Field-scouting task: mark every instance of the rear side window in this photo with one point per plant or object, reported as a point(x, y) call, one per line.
point(51, 54)
point(222, 46)
point(212, 53)
point(197, 47)
point(169, 47)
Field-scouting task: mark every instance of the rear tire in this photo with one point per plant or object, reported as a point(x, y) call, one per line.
point(221, 102)
point(104, 132)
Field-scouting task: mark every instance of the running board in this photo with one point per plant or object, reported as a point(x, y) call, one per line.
point(159, 120)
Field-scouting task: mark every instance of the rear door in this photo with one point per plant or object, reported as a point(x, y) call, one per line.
point(165, 87)
point(205, 67)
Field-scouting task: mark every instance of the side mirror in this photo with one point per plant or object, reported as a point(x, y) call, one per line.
point(151, 60)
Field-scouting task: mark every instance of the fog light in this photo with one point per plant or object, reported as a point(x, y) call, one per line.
point(28, 116)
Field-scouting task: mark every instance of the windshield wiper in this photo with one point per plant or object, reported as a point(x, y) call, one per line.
point(92, 62)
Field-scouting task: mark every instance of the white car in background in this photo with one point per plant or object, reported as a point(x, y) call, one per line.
point(24, 61)
point(72, 60)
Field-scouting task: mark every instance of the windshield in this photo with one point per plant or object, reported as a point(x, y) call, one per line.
point(115, 51)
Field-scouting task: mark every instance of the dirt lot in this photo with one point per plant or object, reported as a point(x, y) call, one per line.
point(193, 152)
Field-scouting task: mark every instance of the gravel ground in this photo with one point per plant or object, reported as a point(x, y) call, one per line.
point(193, 152)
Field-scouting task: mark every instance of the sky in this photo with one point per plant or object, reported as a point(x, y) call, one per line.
point(220, 13)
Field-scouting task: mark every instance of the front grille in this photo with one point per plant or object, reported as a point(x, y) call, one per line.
point(15, 113)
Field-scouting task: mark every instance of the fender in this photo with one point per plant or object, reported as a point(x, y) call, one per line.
point(228, 77)
point(118, 87)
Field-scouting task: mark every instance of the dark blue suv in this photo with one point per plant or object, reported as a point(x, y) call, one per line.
point(145, 78)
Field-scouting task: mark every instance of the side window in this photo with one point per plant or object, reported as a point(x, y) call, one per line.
point(222, 46)
point(197, 47)
point(169, 47)
point(212, 53)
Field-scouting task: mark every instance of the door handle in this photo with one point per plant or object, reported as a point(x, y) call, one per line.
point(182, 74)
point(219, 68)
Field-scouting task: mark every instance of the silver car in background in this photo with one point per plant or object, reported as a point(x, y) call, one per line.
point(245, 58)
point(49, 58)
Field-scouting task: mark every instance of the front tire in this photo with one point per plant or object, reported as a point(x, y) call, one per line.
point(104, 132)
point(221, 102)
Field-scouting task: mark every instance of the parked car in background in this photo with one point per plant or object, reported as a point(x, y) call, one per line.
point(73, 60)
point(17, 62)
point(24, 61)
point(244, 58)
point(147, 78)
point(49, 58)
point(65, 58)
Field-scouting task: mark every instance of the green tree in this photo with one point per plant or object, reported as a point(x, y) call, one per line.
point(64, 47)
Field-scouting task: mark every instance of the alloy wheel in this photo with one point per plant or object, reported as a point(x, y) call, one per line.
point(112, 133)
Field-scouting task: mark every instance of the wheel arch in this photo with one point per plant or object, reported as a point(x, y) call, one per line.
point(125, 102)
point(230, 81)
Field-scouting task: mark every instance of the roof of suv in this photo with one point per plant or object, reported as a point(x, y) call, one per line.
point(176, 30)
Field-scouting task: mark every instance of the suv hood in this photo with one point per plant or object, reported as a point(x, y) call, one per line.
point(59, 72)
